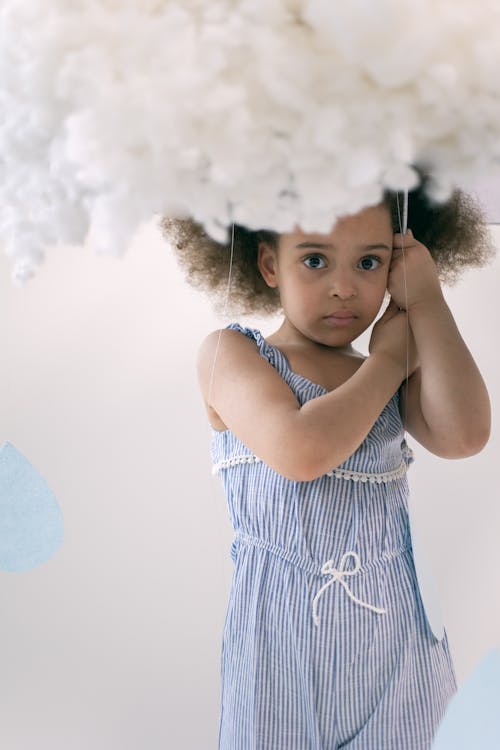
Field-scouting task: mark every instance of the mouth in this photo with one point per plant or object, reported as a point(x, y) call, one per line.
point(337, 320)
point(342, 315)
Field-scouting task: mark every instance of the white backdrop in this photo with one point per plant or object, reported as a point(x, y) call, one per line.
point(115, 642)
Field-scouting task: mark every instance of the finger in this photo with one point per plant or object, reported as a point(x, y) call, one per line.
point(403, 240)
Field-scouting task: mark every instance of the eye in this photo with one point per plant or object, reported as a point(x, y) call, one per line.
point(313, 257)
point(370, 257)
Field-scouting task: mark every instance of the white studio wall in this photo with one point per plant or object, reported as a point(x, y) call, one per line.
point(115, 642)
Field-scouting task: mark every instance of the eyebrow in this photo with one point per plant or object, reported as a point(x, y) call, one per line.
point(322, 246)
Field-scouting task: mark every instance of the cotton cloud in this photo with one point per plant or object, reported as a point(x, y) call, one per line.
point(266, 113)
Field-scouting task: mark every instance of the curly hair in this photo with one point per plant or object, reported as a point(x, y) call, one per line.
point(455, 232)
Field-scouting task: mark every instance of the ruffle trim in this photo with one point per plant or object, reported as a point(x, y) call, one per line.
point(372, 477)
point(354, 476)
point(226, 463)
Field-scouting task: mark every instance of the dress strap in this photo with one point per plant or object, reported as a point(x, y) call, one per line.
point(273, 355)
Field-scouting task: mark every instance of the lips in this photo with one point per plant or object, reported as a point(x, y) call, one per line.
point(342, 314)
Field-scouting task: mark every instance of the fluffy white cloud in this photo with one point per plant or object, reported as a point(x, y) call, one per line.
point(266, 112)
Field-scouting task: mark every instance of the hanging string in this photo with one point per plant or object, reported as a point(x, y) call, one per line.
point(224, 312)
point(215, 499)
point(403, 224)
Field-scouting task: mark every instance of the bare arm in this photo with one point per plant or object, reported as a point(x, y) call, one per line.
point(334, 425)
point(454, 401)
point(257, 405)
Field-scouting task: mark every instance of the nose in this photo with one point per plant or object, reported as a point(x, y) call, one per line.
point(342, 284)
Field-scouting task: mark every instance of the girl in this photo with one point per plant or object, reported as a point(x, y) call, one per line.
point(326, 643)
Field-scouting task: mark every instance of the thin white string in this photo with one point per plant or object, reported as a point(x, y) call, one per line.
point(215, 499)
point(402, 228)
point(224, 313)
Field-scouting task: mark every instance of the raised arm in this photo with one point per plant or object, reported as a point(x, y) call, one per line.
point(256, 404)
point(451, 397)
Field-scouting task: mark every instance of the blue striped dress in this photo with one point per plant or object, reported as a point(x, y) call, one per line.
point(326, 644)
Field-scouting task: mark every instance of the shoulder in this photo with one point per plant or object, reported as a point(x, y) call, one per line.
point(233, 331)
point(245, 394)
point(231, 338)
point(229, 347)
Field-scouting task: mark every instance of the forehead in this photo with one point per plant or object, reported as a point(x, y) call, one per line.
point(370, 227)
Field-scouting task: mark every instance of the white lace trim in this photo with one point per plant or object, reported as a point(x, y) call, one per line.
point(355, 476)
point(246, 458)
point(360, 476)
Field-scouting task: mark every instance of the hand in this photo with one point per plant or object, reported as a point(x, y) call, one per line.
point(422, 281)
point(392, 335)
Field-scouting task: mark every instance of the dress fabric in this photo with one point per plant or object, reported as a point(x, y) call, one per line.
point(355, 665)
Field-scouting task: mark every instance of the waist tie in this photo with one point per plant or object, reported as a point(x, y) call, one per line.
point(312, 567)
point(337, 575)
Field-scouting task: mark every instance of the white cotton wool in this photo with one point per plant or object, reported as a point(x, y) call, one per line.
point(265, 112)
point(392, 40)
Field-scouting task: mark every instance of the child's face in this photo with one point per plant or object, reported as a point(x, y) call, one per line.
point(343, 273)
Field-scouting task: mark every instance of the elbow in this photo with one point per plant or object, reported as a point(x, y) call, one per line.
point(311, 470)
point(299, 470)
point(308, 457)
point(475, 444)
point(303, 476)
point(479, 432)
point(471, 445)
point(476, 437)
point(310, 476)
point(314, 473)
point(308, 463)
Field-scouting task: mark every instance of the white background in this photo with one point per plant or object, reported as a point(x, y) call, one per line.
point(115, 642)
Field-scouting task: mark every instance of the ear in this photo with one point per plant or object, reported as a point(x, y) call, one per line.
point(267, 261)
